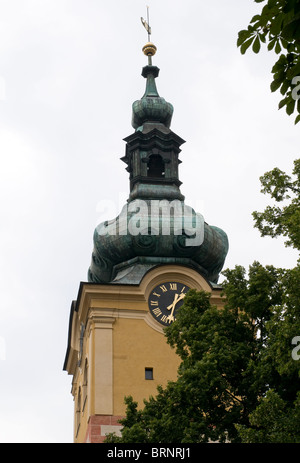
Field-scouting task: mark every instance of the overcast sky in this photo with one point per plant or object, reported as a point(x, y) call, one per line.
point(69, 73)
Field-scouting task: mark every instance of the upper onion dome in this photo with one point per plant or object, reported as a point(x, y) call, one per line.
point(151, 107)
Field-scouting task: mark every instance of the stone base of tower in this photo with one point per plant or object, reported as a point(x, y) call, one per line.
point(101, 425)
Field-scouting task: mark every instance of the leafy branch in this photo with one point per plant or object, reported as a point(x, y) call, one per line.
point(278, 26)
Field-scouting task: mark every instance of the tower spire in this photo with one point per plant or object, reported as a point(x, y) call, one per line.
point(152, 161)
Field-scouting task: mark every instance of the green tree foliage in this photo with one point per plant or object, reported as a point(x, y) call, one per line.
point(276, 419)
point(237, 381)
point(273, 421)
point(278, 26)
point(227, 365)
point(283, 219)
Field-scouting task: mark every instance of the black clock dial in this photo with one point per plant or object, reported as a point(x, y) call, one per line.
point(165, 300)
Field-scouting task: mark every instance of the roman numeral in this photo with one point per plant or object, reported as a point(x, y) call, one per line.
point(157, 312)
point(163, 288)
point(155, 303)
point(173, 286)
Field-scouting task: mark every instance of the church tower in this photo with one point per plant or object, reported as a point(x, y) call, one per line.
point(143, 263)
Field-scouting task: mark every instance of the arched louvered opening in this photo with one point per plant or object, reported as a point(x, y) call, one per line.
point(156, 166)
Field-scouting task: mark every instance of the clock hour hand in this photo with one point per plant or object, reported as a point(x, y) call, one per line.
point(177, 298)
point(171, 306)
point(181, 296)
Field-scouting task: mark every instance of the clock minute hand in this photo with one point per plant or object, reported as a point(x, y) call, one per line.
point(172, 306)
point(170, 317)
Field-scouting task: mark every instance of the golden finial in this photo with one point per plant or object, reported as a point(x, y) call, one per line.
point(149, 49)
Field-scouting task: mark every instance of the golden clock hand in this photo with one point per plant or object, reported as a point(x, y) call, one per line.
point(173, 303)
point(177, 298)
point(170, 317)
point(180, 297)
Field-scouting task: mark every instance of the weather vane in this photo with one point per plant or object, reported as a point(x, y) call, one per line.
point(149, 49)
point(146, 24)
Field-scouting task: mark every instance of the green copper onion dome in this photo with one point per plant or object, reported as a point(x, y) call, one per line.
point(151, 107)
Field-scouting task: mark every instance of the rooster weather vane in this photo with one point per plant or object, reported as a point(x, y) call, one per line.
point(149, 49)
point(146, 24)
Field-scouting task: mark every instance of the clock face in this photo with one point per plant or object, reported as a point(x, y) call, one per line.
point(165, 300)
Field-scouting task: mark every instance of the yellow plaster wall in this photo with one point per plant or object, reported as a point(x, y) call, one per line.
point(137, 346)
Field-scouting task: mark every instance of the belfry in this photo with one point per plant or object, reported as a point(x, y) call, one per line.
point(143, 263)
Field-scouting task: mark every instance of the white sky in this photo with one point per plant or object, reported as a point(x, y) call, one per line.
point(69, 73)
